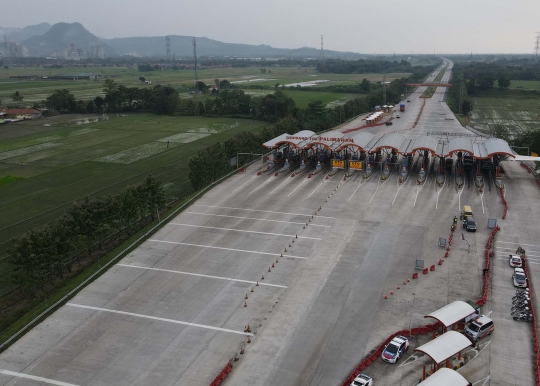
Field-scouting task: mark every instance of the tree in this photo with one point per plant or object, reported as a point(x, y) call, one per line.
point(91, 107)
point(61, 100)
point(224, 84)
point(17, 97)
point(471, 86)
point(365, 85)
point(500, 131)
point(110, 86)
point(504, 82)
point(164, 100)
point(276, 86)
point(142, 79)
point(99, 103)
point(216, 82)
point(201, 87)
point(486, 82)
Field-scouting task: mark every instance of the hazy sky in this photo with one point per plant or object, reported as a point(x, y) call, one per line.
point(374, 26)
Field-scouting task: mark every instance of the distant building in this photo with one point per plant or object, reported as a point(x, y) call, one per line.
point(97, 52)
point(23, 114)
point(73, 53)
point(14, 50)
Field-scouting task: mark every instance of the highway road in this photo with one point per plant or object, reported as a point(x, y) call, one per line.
point(175, 310)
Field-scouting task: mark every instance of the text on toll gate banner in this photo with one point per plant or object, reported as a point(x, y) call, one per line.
point(320, 139)
point(355, 165)
point(338, 164)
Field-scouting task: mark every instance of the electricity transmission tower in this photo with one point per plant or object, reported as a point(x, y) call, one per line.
point(384, 89)
point(322, 49)
point(537, 45)
point(460, 103)
point(195, 60)
point(168, 47)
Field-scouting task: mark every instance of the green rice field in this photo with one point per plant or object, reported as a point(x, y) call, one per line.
point(182, 80)
point(514, 109)
point(47, 164)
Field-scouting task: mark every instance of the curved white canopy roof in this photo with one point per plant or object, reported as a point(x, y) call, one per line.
point(460, 144)
point(359, 140)
point(497, 146)
point(426, 143)
point(446, 345)
point(445, 377)
point(329, 140)
point(452, 313)
point(294, 140)
point(392, 141)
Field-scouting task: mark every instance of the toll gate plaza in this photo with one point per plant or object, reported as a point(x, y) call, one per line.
point(298, 270)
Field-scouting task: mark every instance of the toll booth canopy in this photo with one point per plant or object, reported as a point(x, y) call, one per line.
point(445, 346)
point(445, 377)
point(452, 313)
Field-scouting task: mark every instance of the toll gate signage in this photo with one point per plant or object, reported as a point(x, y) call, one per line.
point(355, 165)
point(338, 164)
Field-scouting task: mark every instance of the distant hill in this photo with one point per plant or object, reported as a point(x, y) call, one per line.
point(45, 40)
point(29, 31)
point(59, 36)
point(6, 31)
point(182, 46)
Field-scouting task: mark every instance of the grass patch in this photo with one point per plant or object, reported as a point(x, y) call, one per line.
point(57, 176)
point(9, 179)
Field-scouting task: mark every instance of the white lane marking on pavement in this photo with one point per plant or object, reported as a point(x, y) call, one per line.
point(264, 211)
point(241, 230)
point(506, 259)
point(225, 249)
point(252, 178)
point(514, 252)
point(374, 193)
point(416, 197)
point(264, 183)
point(160, 319)
point(509, 242)
point(482, 199)
point(258, 219)
point(200, 275)
point(35, 378)
point(302, 183)
point(484, 380)
point(283, 183)
point(314, 190)
point(439, 192)
point(358, 187)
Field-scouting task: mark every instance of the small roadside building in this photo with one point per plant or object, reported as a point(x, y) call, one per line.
point(23, 114)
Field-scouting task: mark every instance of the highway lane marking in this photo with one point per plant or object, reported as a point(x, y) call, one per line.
point(241, 230)
point(283, 183)
point(322, 183)
point(264, 183)
point(506, 259)
point(302, 183)
point(159, 319)
point(252, 178)
point(514, 252)
point(258, 219)
point(374, 193)
point(264, 211)
point(358, 187)
point(509, 242)
point(225, 249)
point(34, 378)
point(201, 275)
point(439, 192)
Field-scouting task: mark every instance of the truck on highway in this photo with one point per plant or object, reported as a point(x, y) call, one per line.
point(401, 106)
